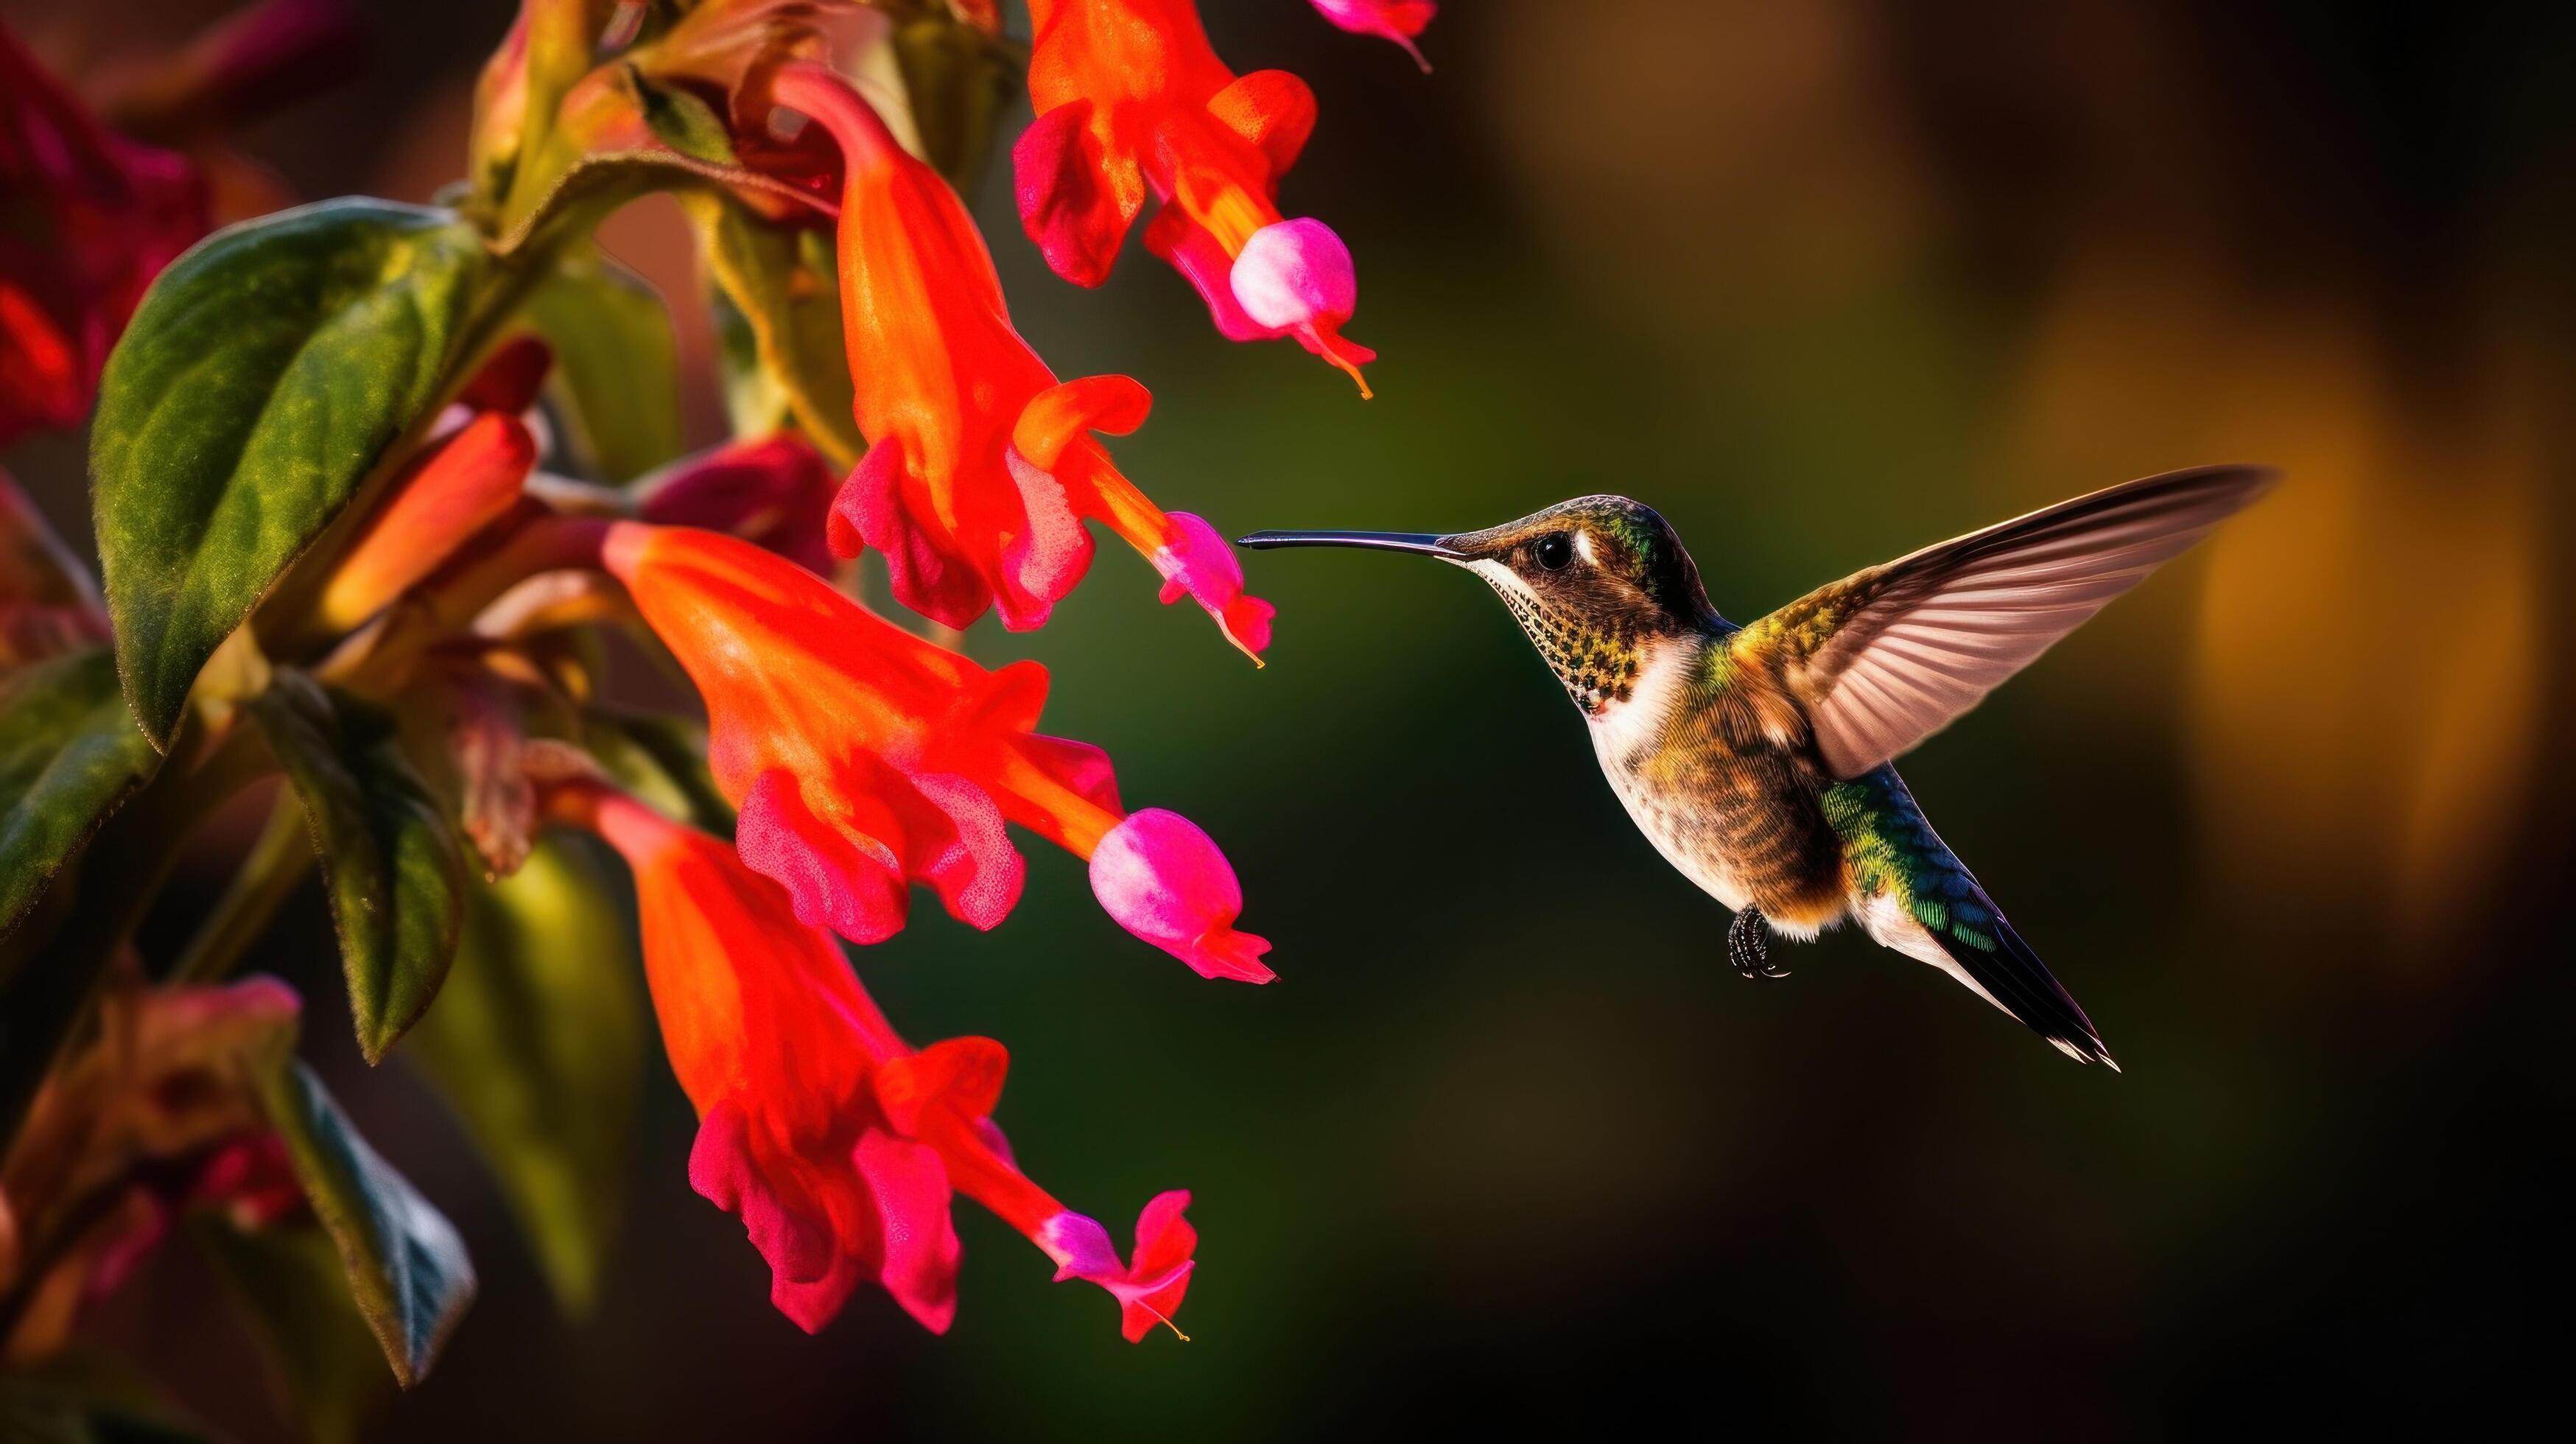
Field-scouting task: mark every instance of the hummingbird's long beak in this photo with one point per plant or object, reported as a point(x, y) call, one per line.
point(1419, 543)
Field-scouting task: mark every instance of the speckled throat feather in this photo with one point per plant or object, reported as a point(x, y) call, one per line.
point(1595, 657)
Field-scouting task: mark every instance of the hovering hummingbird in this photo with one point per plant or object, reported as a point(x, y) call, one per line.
point(1757, 759)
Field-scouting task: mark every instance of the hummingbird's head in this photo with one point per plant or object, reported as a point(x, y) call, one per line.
point(1595, 582)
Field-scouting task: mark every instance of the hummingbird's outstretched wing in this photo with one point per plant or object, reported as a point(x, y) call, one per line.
point(1886, 658)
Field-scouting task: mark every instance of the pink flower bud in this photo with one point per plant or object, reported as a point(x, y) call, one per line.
point(1295, 275)
point(1164, 880)
point(1197, 563)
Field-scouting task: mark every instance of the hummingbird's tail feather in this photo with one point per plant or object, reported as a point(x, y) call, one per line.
point(1911, 893)
point(2014, 979)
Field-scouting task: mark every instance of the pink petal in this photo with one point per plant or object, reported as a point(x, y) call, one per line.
point(1295, 274)
point(1196, 562)
point(1164, 1242)
point(1396, 20)
point(1081, 1250)
point(1066, 204)
point(1164, 880)
point(792, 1231)
point(960, 847)
point(924, 576)
point(1043, 563)
point(837, 877)
point(911, 1190)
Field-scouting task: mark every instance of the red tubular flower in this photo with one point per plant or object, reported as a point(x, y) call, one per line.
point(454, 489)
point(981, 468)
point(864, 759)
point(774, 492)
point(836, 1143)
point(1129, 94)
point(90, 218)
point(1396, 20)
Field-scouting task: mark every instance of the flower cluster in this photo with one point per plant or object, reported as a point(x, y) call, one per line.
point(1130, 98)
point(837, 1144)
point(981, 466)
point(389, 590)
point(343, 547)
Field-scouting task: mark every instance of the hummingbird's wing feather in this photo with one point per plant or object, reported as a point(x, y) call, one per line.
point(1886, 658)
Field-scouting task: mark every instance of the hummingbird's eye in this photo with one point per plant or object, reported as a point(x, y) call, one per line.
point(1554, 550)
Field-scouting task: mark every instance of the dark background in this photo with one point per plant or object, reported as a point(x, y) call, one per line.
point(1508, 1142)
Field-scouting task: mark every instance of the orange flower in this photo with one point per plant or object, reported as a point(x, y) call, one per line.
point(468, 476)
point(1130, 95)
point(836, 1143)
point(864, 759)
point(981, 468)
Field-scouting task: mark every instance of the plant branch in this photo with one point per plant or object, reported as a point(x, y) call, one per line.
point(278, 862)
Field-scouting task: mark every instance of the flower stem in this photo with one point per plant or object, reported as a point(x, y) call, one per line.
point(278, 862)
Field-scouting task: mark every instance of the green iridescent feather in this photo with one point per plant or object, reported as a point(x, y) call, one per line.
point(1889, 846)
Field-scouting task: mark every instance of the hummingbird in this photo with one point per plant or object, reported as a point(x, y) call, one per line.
point(1759, 759)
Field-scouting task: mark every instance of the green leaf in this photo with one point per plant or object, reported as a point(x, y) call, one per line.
point(390, 861)
point(616, 365)
point(69, 753)
point(406, 1267)
point(324, 1362)
point(682, 121)
point(960, 83)
point(86, 1398)
point(538, 1042)
point(267, 373)
point(782, 281)
point(661, 759)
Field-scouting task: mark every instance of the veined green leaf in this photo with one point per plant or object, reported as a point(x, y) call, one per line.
point(538, 1043)
point(616, 365)
point(69, 752)
point(323, 1360)
point(266, 374)
point(390, 861)
point(406, 1266)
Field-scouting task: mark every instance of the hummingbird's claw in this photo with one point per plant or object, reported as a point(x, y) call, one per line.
point(1748, 946)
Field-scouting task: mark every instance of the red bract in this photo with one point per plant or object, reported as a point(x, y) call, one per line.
point(865, 759)
point(836, 1143)
point(981, 469)
point(774, 492)
point(1130, 95)
point(87, 219)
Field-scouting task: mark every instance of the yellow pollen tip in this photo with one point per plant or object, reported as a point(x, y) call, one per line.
point(1166, 1319)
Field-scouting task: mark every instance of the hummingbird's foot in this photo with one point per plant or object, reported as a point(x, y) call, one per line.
point(1748, 945)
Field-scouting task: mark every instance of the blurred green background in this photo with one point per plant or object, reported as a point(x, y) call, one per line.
point(1509, 1143)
